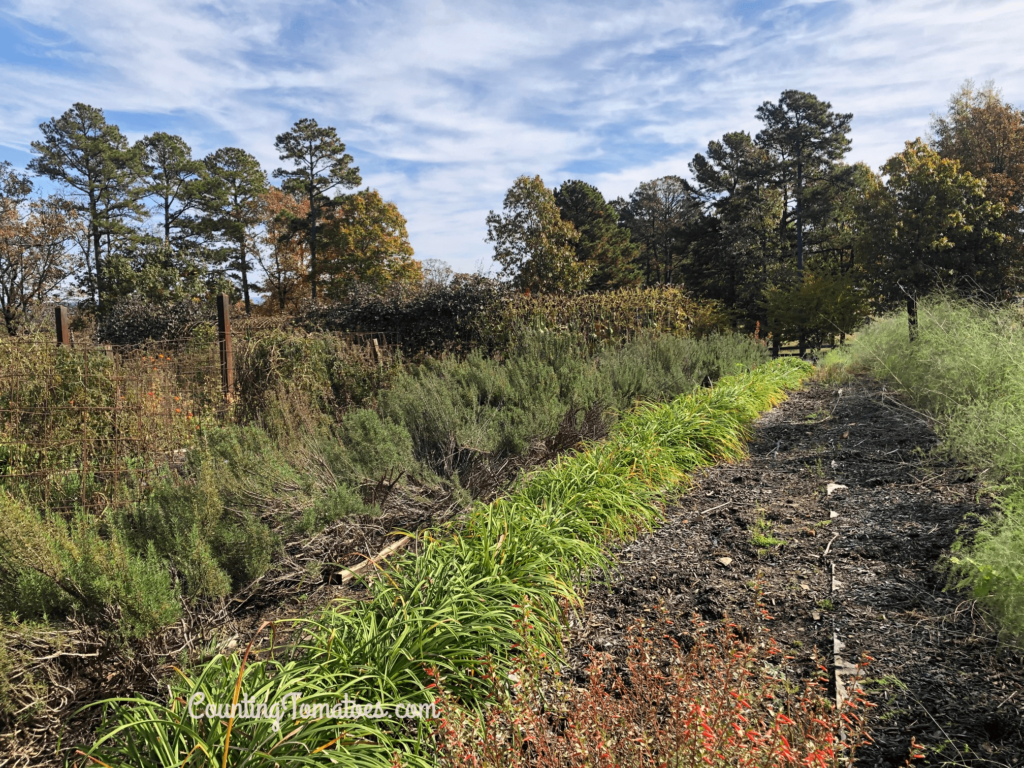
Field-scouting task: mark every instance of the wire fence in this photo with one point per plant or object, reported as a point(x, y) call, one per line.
point(89, 427)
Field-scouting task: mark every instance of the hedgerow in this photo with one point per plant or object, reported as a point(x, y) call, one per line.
point(474, 312)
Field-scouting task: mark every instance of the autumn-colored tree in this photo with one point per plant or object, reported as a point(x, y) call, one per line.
point(535, 246)
point(929, 223)
point(366, 241)
point(283, 259)
point(36, 240)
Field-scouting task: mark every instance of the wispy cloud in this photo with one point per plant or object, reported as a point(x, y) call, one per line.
point(443, 104)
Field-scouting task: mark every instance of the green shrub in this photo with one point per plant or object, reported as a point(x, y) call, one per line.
point(337, 504)
point(817, 309)
point(376, 448)
point(51, 568)
point(184, 521)
point(325, 369)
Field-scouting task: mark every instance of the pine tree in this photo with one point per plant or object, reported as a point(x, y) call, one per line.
point(603, 244)
point(320, 166)
point(84, 152)
point(806, 141)
point(234, 209)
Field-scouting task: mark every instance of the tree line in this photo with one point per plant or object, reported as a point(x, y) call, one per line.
point(777, 227)
point(150, 219)
point(786, 234)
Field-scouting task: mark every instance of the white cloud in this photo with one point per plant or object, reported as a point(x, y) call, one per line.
point(444, 104)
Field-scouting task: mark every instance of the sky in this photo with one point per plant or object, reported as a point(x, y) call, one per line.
point(444, 104)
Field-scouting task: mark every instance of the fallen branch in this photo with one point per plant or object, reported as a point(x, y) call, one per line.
point(348, 574)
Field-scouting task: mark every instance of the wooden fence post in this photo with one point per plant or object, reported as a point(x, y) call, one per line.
point(63, 336)
point(227, 363)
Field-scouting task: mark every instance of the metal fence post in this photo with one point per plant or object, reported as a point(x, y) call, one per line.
point(227, 363)
point(63, 336)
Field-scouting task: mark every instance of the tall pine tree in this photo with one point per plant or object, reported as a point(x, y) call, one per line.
point(806, 141)
point(82, 151)
point(234, 209)
point(319, 166)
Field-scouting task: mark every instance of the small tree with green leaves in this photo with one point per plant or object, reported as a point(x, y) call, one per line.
point(928, 224)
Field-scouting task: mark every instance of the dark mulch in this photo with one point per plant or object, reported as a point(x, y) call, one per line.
point(939, 673)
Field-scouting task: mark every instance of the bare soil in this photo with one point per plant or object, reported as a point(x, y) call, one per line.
point(939, 673)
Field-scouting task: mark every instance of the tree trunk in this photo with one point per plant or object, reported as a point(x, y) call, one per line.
point(11, 321)
point(245, 274)
point(912, 317)
point(776, 346)
point(799, 210)
point(313, 213)
point(167, 222)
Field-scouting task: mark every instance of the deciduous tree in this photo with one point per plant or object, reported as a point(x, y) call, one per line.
point(366, 241)
point(535, 246)
point(986, 136)
point(36, 241)
point(656, 214)
point(284, 260)
point(929, 223)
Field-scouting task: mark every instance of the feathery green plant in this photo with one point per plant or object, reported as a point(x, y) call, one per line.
point(966, 369)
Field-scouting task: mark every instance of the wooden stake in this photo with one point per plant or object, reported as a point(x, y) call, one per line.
point(227, 363)
point(63, 335)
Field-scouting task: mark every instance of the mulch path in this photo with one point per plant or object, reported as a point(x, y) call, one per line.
point(939, 673)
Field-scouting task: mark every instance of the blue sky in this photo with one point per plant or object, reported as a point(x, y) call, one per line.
point(444, 104)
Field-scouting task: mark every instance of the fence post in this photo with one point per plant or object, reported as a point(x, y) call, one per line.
point(61, 316)
point(227, 363)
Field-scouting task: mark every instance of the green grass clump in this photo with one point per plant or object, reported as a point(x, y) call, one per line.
point(966, 369)
point(761, 535)
point(464, 604)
